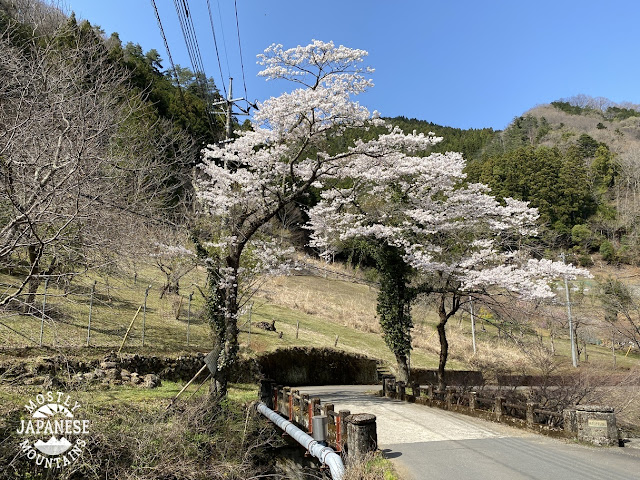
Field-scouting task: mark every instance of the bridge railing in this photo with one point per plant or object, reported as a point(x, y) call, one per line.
point(300, 408)
point(496, 408)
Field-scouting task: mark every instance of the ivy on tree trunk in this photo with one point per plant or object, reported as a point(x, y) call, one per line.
point(394, 305)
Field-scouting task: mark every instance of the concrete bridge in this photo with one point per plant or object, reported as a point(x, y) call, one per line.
point(430, 443)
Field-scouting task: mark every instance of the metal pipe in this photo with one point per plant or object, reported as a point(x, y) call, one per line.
point(325, 454)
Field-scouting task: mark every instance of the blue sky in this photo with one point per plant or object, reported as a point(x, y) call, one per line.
point(467, 63)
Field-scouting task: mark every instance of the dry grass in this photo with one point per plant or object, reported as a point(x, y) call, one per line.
point(117, 298)
point(372, 467)
point(349, 304)
point(133, 437)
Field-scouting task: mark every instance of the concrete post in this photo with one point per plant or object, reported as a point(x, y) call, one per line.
point(286, 397)
point(305, 419)
point(362, 437)
point(597, 425)
point(400, 390)
point(297, 406)
point(385, 385)
point(449, 391)
point(280, 404)
point(343, 426)
point(569, 421)
point(391, 386)
point(531, 406)
point(415, 389)
point(498, 407)
point(328, 407)
point(430, 392)
point(472, 400)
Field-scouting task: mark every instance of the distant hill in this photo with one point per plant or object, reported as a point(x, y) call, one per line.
point(578, 161)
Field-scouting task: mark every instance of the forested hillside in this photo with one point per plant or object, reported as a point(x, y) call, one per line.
point(576, 160)
point(97, 148)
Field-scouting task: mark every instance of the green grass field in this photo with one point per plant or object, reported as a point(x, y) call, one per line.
point(307, 310)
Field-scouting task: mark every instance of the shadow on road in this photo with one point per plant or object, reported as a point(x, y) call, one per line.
point(388, 453)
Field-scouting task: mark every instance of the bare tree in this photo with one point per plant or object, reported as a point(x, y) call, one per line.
point(622, 309)
point(82, 158)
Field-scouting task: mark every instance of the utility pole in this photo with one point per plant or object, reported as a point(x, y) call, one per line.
point(574, 360)
point(228, 104)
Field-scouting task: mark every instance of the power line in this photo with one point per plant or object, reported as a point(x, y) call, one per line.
point(215, 42)
point(193, 49)
point(166, 46)
point(224, 40)
point(244, 82)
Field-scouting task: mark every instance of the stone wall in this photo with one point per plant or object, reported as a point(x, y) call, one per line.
point(317, 366)
point(60, 368)
point(423, 376)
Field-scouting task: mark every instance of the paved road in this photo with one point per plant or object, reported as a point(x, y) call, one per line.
point(429, 443)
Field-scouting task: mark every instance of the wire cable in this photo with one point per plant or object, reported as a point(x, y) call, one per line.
point(215, 42)
point(193, 49)
point(224, 40)
point(244, 82)
point(166, 46)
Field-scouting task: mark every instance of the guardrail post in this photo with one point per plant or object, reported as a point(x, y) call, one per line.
point(570, 422)
point(305, 412)
point(342, 428)
point(498, 407)
point(297, 406)
point(472, 400)
point(315, 402)
point(449, 391)
point(391, 386)
point(400, 390)
point(280, 399)
point(362, 438)
point(415, 389)
point(430, 392)
point(326, 408)
point(288, 400)
point(531, 406)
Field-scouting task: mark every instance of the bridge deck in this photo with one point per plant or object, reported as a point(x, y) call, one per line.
point(432, 443)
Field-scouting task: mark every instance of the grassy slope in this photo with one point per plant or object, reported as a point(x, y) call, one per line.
point(323, 307)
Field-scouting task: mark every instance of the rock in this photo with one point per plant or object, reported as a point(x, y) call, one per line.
point(151, 381)
point(111, 357)
point(33, 381)
point(135, 378)
point(270, 327)
point(113, 374)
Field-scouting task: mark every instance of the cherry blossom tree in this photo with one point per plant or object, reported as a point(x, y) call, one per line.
point(249, 181)
point(431, 233)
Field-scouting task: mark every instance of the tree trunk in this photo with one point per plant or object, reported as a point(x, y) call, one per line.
point(394, 306)
point(403, 368)
point(34, 281)
point(444, 353)
point(227, 331)
point(442, 334)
